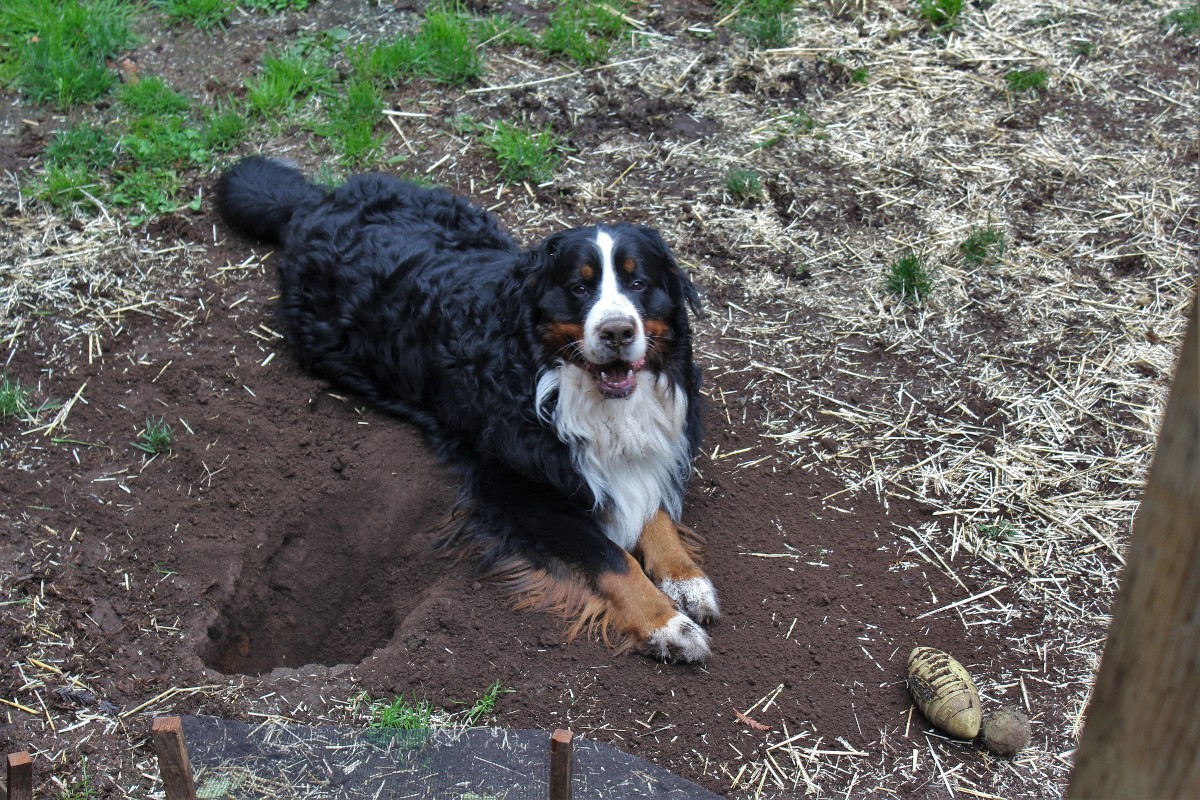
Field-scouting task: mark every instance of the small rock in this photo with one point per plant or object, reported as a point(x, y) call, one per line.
point(1006, 732)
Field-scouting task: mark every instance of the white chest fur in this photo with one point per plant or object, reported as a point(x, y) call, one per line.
point(631, 451)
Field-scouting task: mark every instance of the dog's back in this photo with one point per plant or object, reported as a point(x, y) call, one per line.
point(381, 281)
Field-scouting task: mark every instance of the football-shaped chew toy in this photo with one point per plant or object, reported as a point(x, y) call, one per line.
point(944, 692)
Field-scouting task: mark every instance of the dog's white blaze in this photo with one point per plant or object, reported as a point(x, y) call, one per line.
point(632, 452)
point(610, 302)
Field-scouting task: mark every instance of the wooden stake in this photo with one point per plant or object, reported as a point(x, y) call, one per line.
point(561, 764)
point(1143, 733)
point(173, 763)
point(20, 776)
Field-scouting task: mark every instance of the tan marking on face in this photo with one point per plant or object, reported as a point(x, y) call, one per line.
point(664, 551)
point(656, 328)
point(629, 265)
point(587, 272)
point(561, 335)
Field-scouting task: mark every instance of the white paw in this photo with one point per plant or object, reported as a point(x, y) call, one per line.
point(696, 597)
point(680, 639)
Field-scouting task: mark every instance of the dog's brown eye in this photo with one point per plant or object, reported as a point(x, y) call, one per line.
point(637, 286)
point(580, 290)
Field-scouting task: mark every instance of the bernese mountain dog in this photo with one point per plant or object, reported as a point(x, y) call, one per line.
point(557, 382)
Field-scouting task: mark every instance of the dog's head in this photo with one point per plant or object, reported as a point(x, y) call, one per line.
point(611, 300)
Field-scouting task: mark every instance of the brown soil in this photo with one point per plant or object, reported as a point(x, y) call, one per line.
point(292, 527)
point(277, 561)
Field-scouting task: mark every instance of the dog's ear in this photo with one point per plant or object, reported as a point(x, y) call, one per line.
point(535, 261)
point(678, 277)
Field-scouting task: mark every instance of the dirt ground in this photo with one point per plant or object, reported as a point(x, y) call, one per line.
point(859, 455)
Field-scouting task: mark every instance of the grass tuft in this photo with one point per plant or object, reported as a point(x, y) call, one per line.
point(276, 6)
point(943, 16)
point(57, 52)
point(202, 14)
point(151, 95)
point(743, 185)
point(155, 438)
point(1182, 21)
point(523, 156)
point(352, 116)
point(485, 706)
point(286, 80)
point(15, 399)
point(443, 49)
point(582, 31)
point(983, 245)
point(764, 23)
point(909, 277)
point(1027, 81)
point(402, 714)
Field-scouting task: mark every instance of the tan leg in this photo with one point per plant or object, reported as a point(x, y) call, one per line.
point(625, 608)
point(639, 612)
point(671, 563)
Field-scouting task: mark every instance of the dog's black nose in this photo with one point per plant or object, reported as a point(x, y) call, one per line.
point(617, 332)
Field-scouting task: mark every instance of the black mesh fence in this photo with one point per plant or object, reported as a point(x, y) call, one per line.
point(241, 761)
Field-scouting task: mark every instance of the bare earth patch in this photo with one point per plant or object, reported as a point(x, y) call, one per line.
point(961, 474)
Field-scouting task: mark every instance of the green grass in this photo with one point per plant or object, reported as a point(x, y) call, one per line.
point(583, 32)
point(798, 123)
point(202, 14)
point(521, 155)
point(485, 706)
point(409, 713)
point(275, 6)
point(1183, 21)
point(1027, 81)
point(764, 23)
point(352, 114)
point(443, 49)
point(57, 52)
point(743, 185)
point(447, 48)
point(287, 79)
point(79, 789)
point(943, 16)
point(224, 127)
point(910, 277)
point(983, 245)
point(134, 163)
point(1001, 531)
point(1082, 47)
point(151, 95)
point(15, 399)
point(402, 714)
point(155, 438)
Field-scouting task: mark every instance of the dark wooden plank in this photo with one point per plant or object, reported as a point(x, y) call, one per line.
point(561, 764)
point(173, 762)
point(20, 776)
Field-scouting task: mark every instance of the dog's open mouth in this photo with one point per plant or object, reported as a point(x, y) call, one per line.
point(616, 379)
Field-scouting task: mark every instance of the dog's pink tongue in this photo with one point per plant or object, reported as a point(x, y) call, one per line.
point(618, 384)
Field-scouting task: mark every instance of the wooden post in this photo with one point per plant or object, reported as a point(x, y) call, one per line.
point(561, 764)
point(173, 763)
point(1142, 733)
point(20, 776)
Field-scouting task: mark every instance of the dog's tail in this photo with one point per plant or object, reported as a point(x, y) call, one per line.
point(258, 197)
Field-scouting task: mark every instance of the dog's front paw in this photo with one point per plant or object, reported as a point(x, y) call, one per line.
point(680, 639)
point(696, 597)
